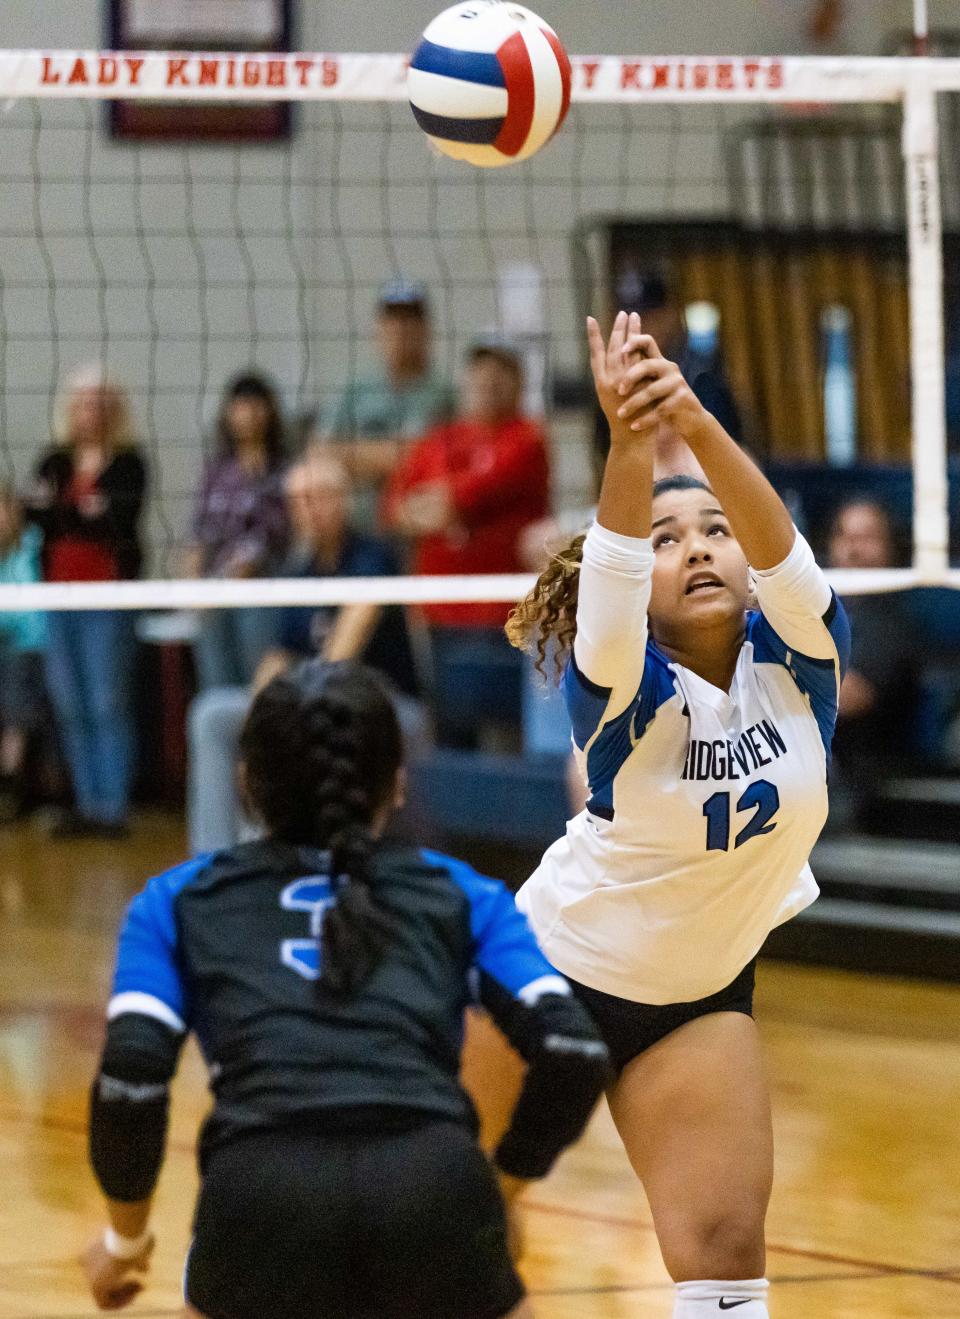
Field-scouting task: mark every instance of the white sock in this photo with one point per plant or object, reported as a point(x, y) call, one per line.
point(710, 1300)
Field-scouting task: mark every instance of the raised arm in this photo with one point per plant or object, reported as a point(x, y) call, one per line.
point(795, 599)
point(655, 391)
point(614, 590)
point(626, 494)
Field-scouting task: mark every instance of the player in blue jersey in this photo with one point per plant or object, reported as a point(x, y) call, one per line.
point(703, 652)
point(325, 974)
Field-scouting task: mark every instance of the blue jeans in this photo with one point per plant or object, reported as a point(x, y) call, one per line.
point(89, 662)
point(232, 643)
point(215, 817)
point(476, 680)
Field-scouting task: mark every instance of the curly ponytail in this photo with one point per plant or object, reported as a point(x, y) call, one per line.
point(321, 749)
point(549, 613)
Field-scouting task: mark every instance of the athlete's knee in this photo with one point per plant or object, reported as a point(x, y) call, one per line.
point(726, 1243)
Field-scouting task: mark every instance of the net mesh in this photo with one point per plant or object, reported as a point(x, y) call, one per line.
point(175, 265)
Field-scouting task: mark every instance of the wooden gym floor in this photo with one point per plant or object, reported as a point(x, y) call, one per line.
point(865, 1220)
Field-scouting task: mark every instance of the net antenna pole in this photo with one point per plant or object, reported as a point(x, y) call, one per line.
point(925, 249)
point(921, 27)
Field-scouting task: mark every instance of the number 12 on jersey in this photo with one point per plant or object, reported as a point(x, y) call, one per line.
point(761, 797)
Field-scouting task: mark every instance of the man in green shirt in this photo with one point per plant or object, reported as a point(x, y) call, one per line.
point(377, 415)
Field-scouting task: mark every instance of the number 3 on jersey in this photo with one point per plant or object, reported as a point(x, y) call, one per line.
point(761, 797)
point(312, 895)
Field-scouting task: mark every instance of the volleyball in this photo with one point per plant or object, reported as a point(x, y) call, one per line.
point(489, 82)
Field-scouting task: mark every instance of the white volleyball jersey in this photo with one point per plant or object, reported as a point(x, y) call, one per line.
point(704, 804)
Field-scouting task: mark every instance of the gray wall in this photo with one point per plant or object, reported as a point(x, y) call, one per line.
point(754, 27)
point(627, 26)
point(178, 266)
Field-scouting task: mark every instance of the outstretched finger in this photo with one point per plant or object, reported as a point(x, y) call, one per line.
point(633, 331)
point(598, 351)
point(618, 337)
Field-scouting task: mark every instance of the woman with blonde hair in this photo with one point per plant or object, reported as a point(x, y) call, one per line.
point(87, 499)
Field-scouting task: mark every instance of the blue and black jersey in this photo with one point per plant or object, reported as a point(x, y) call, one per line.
point(227, 946)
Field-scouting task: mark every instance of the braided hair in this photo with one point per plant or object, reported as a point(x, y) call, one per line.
point(547, 617)
point(321, 748)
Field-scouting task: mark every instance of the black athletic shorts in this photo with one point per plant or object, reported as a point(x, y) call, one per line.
point(401, 1225)
point(629, 1028)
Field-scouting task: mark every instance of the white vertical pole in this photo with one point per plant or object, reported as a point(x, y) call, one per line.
point(925, 252)
point(921, 28)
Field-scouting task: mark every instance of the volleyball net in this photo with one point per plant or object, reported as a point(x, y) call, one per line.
point(134, 237)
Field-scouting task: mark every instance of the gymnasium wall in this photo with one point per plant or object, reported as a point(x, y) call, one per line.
point(766, 27)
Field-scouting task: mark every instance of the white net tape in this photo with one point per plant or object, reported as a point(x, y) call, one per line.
point(211, 593)
point(601, 80)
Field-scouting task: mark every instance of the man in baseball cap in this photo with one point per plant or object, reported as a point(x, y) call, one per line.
point(405, 294)
point(379, 413)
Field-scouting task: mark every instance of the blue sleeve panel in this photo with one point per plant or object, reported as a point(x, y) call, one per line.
point(147, 961)
point(504, 945)
point(587, 704)
point(568, 1063)
point(818, 679)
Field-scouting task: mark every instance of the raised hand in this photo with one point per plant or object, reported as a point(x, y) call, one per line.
point(653, 390)
point(610, 362)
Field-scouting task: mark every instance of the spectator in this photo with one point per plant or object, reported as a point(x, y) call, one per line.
point(377, 416)
point(23, 638)
point(648, 293)
point(463, 496)
point(319, 497)
point(876, 724)
point(240, 527)
point(87, 499)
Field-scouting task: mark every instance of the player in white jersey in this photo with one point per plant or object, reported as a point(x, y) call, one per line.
point(704, 652)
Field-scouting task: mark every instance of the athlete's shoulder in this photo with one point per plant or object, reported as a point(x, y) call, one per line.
point(587, 701)
point(403, 862)
point(254, 860)
point(504, 946)
point(491, 903)
point(470, 881)
point(488, 901)
point(164, 889)
point(147, 979)
point(829, 642)
point(419, 880)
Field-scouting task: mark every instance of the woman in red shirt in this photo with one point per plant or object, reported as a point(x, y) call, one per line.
point(87, 498)
point(463, 495)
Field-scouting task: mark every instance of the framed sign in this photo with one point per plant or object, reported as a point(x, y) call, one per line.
point(235, 26)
